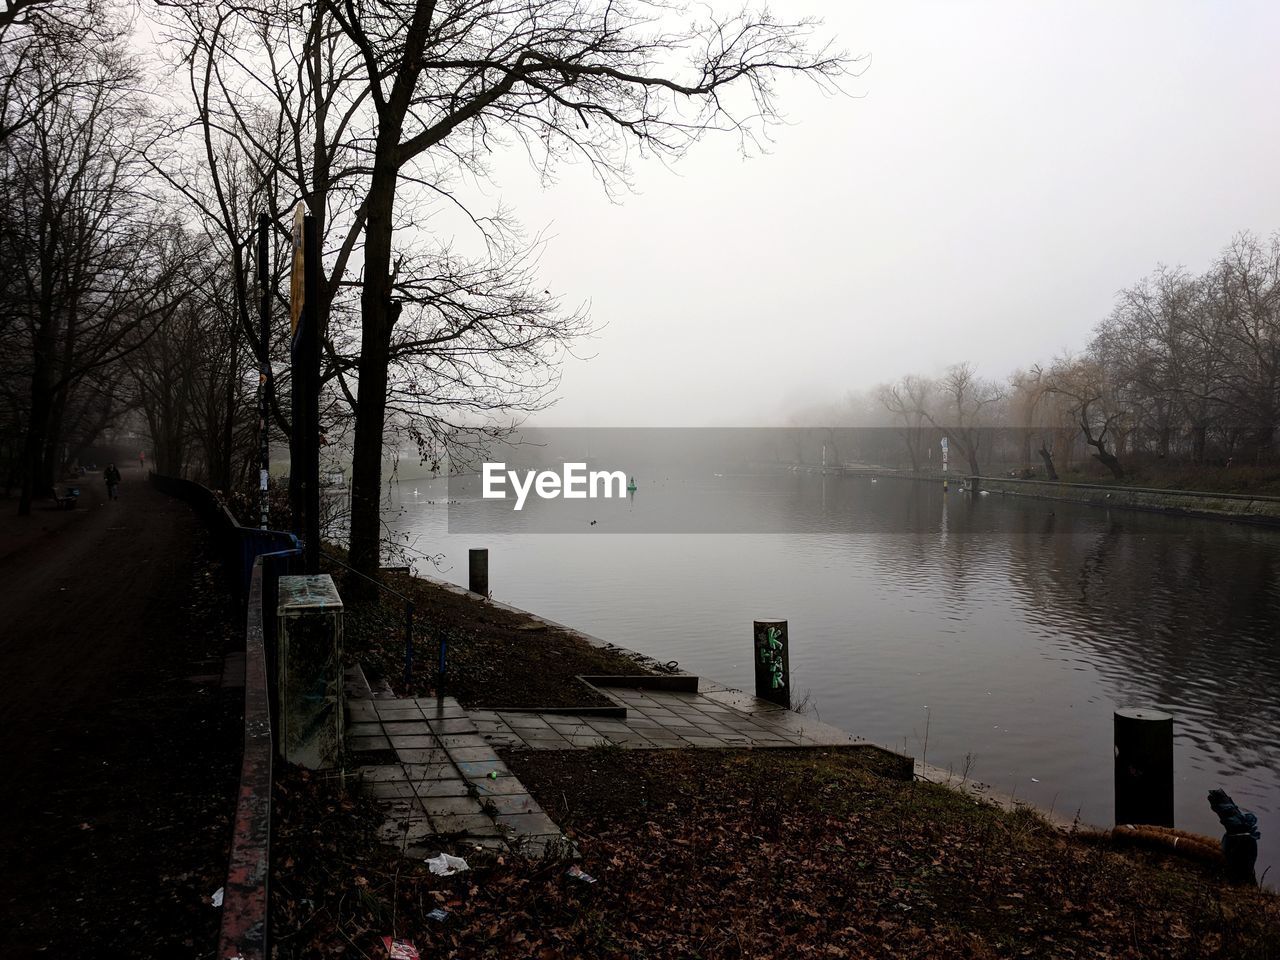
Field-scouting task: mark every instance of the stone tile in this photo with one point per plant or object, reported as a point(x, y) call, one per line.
point(395, 710)
point(451, 806)
point(401, 809)
point(479, 769)
point(504, 740)
point(379, 774)
point(442, 788)
point(439, 769)
point(484, 716)
point(421, 755)
point(365, 744)
point(497, 786)
point(717, 711)
point(569, 726)
point(491, 726)
point(684, 730)
point(452, 726)
point(526, 824)
point(509, 804)
point(406, 833)
point(361, 711)
point(608, 726)
point(364, 730)
point(471, 825)
point(592, 740)
point(627, 693)
point(390, 789)
point(730, 698)
point(447, 712)
point(525, 721)
point(459, 754)
point(423, 742)
point(406, 728)
point(715, 730)
point(639, 723)
point(451, 740)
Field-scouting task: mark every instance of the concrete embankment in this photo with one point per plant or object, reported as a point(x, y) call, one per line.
point(1187, 503)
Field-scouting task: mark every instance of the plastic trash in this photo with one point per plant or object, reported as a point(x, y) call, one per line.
point(439, 913)
point(446, 866)
point(577, 873)
point(216, 897)
point(400, 949)
point(1240, 842)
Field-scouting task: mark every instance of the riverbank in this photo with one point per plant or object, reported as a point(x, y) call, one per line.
point(765, 853)
point(727, 853)
point(1204, 504)
point(496, 656)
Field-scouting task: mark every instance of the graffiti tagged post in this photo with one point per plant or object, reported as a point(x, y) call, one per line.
point(773, 672)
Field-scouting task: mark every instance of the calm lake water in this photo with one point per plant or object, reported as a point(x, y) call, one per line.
point(1005, 629)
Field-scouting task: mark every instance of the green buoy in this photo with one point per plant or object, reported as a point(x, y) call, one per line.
point(631, 485)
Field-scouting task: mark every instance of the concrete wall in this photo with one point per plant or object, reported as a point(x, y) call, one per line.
point(1221, 506)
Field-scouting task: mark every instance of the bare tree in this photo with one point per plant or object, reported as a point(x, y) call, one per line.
point(909, 400)
point(1084, 384)
point(964, 411)
point(82, 238)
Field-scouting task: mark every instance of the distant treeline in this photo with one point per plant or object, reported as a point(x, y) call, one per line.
point(1185, 369)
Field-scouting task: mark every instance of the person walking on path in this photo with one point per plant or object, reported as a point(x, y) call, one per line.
point(112, 476)
point(142, 460)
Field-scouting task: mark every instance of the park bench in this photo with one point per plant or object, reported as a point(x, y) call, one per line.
point(66, 500)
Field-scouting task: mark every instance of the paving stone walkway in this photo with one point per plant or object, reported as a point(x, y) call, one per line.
point(439, 779)
point(433, 766)
point(663, 719)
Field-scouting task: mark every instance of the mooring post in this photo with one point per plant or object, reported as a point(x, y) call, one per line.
point(1144, 766)
point(773, 670)
point(478, 571)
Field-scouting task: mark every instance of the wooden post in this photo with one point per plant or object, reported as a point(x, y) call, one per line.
point(773, 670)
point(1144, 767)
point(478, 571)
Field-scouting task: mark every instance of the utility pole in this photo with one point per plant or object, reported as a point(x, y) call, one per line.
point(311, 424)
point(264, 367)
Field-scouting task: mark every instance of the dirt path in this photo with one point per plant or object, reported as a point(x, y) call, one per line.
point(120, 747)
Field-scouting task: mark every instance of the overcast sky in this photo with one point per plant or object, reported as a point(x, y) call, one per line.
point(1002, 171)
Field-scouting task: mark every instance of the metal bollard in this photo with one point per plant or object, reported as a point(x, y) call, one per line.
point(771, 657)
point(478, 571)
point(1144, 766)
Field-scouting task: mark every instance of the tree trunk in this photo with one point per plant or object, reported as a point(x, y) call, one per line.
point(375, 350)
point(1049, 469)
point(33, 451)
point(1108, 460)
